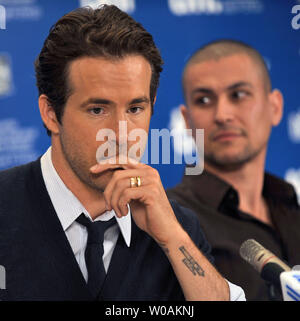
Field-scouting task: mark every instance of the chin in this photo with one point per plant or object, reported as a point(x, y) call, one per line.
point(227, 162)
point(100, 181)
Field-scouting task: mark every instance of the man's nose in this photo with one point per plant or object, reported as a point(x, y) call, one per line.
point(224, 112)
point(120, 128)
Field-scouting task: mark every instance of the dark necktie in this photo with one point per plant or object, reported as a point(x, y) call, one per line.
point(94, 252)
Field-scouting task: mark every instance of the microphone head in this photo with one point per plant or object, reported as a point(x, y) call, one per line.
point(265, 262)
point(251, 251)
point(255, 254)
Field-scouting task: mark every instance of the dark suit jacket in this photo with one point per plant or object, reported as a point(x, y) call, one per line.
point(39, 261)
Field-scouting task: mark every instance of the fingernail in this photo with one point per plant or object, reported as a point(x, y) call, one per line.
point(93, 168)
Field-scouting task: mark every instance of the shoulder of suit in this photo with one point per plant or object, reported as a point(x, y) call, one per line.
point(13, 177)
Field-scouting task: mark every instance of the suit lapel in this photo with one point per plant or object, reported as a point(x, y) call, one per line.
point(64, 264)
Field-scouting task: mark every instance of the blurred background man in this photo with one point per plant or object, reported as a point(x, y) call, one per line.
point(228, 93)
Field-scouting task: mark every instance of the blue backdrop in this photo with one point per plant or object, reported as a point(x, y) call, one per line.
point(179, 27)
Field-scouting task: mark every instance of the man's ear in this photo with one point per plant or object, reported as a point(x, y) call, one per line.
point(185, 114)
point(48, 115)
point(276, 101)
point(152, 106)
point(154, 100)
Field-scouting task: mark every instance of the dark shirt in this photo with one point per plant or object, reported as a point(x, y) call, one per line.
point(226, 227)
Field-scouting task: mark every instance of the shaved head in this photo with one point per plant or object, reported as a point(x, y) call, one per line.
point(224, 48)
point(228, 93)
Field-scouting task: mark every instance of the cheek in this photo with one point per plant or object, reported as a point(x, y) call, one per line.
point(140, 123)
point(80, 135)
point(261, 130)
point(201, 120)
point(257, 125)
point(258, 120)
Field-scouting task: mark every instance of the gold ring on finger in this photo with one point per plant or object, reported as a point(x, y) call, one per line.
point(133, 182)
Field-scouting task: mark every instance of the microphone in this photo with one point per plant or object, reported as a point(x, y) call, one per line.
point(272, 269)
point(265, 262)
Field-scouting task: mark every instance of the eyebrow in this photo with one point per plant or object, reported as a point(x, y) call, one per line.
point(240, 84)
point(97, 101)
point(206, 90)
point(101, 101)
point(140, 100)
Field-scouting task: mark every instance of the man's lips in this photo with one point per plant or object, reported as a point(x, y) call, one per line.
point(115, 169)
point(226, 136)
point(105, 166)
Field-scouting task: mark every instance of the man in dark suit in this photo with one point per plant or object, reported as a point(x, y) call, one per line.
point(99, 69)
point(228, 93)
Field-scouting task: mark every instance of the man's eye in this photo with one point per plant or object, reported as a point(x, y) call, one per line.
point(96, 110)
point(202, 100)
point(135, 110)
point(239, 94)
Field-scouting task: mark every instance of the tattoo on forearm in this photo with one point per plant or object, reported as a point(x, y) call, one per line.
point(189, 261)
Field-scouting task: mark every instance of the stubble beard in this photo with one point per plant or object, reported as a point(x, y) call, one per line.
point(80, 167)
point(229, 163)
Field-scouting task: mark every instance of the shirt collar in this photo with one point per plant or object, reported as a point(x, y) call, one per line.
point(68, 207)
point(214, 191)
point(209, 188)
point(279, 190)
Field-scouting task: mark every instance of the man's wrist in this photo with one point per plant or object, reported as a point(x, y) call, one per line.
point(177, 238)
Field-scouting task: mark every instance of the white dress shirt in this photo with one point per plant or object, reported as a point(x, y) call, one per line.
point(68, 208)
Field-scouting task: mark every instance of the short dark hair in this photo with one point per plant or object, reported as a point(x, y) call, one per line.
point(85, 32)
point(227, 47)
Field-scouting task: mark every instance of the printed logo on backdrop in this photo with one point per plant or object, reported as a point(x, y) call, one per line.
point(215, 7)
point(17, 144)
point(2, 17)
point(296, 19)
point(294, 126)
point(6, 81)
point(292, 176)
point(22, 10)
point(184, 144)
point(125, 5)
